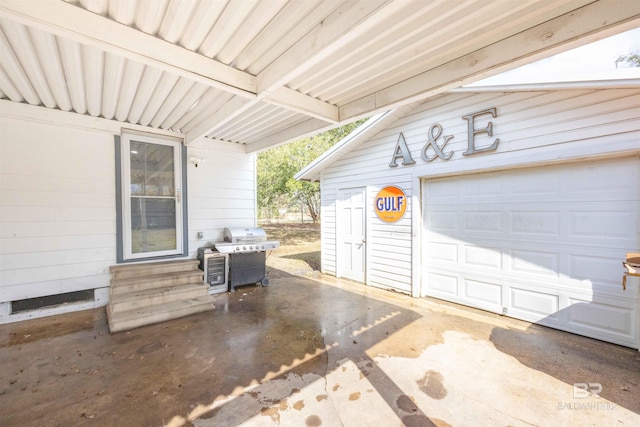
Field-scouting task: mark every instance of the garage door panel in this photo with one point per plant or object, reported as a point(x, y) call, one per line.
point(597, 225)
point(489, 294)
point(545, 185)
point(602, 273)
point(544, 263)
point(601, 318)
point(443, 252)
point(443, 285)
point(484, 187)
point(481, 221)
point(541, 244)
point(535, 222)
point(442, 221)
point(612, 183)
point(533, 305)
point(485, 257)
point(444, 190)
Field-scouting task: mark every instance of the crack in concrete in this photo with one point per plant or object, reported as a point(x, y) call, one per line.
point(326, 390)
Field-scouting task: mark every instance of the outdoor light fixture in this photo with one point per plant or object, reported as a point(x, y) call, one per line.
point(197, 160)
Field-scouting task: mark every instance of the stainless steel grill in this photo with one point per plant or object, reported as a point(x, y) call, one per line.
point(245, 240)
point(247, 255)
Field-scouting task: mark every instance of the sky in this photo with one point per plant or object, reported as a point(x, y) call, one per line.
point(589, 62)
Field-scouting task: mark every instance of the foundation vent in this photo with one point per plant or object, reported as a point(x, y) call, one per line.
point(51, 300)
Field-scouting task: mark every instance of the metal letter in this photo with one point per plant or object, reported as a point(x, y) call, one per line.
point(439, 150)
point(401, 150)
point(472, 132)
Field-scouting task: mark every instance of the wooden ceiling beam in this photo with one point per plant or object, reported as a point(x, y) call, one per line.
point(343, 25)
point(75, 23)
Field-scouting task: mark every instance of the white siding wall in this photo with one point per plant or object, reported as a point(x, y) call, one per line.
point(328, 200)
point(58, 208)
point(533, 127)
point(222, 193)
point(388, 249)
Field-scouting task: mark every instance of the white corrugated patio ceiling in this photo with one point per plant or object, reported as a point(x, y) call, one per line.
point(262, 73)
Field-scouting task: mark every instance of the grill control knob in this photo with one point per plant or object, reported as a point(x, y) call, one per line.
point(244, 248)
point(250, 248)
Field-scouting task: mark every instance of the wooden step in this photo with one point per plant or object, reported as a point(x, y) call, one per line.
point(130, 319)
point(147, 293)
point(148, 297)
point(124, 271)
point(150, 281)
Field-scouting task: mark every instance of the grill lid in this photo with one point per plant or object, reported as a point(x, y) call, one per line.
point(244, 235)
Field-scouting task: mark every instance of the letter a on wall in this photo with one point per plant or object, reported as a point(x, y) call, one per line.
point(401, 151)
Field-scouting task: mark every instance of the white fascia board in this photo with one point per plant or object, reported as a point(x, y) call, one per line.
point(548, 86)
point(21, 111)
point(219, 145)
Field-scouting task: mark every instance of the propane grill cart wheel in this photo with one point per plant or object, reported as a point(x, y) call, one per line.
point(265, 282)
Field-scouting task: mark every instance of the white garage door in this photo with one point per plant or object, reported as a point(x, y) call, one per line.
point(541, 244)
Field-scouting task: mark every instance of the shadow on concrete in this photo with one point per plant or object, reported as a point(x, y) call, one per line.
point(307, 331)
point(174, 372)
point(261, 349)
point(576, 360)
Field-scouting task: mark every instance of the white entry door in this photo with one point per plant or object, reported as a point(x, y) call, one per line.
point(541, 244)
point(151, 197)
point(351, 234)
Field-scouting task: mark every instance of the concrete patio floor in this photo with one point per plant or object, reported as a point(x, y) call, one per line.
point(313, 352)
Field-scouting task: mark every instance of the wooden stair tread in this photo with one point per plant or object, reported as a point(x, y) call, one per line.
point(156, 276)
point(165, 290)
point(134, 318)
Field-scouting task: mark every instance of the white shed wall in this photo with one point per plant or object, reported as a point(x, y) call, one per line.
point(58, 209)
point(534, 128)
point(388, 250)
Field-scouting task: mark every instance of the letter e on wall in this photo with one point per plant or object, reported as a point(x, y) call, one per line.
point(472, 132)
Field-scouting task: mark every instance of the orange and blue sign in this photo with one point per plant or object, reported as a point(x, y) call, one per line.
point(390, 204)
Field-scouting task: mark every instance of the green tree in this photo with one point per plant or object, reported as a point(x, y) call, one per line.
point(277, 189)
point(632, 59)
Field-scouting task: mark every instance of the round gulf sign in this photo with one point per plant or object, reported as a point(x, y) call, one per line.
point(390, 204)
